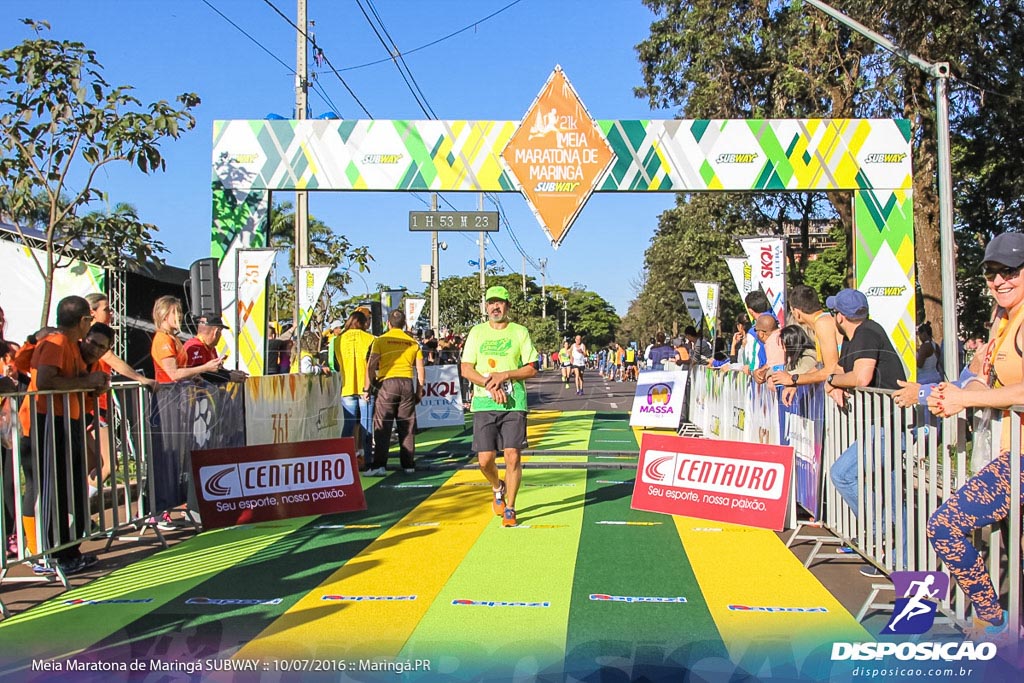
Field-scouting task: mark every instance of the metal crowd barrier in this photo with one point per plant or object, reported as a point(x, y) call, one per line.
point(44, 476)
point(908, 463)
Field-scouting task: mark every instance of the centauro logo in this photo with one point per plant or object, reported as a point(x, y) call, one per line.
point(895, 290)
point(556, 187)
point(888, 158)
point(286, 475)
point(380, 159)
point(734, 475)
point(747, 158)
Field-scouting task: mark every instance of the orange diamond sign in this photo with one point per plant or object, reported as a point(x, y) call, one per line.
point(557, 155)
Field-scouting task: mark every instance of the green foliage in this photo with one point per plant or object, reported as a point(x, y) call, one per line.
point(584, 313)
point(326, 248)
point(61, 123)
point(827, 274)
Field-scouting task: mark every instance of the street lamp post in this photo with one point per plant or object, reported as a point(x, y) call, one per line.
point(940, 72)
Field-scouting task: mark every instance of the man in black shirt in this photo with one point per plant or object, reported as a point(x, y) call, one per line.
point(867, 359)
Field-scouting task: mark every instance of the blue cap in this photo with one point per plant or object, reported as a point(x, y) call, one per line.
point(850, 302)
point(1006, 248)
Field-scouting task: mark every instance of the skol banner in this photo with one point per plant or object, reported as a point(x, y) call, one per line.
point(693, 306)
point(246, 338)
point(658, 401)
point(311, 285)
point(413, 309)
point(767, 257)
point(292, 408)
point(262, 483)
point(442, 398)
point(742, 274)
point(725, 481)
point(707, 293)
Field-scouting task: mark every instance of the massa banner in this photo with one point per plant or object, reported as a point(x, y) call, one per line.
point(658, 401)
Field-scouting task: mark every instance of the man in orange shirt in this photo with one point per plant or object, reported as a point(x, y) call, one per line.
point(57, 365)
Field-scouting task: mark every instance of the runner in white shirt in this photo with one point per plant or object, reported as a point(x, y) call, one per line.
point(579, 362)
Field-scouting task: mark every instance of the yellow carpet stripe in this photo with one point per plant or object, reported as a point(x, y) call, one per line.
point(315, 627)
point(560, 430)
point(538, 424)
point(752, 567)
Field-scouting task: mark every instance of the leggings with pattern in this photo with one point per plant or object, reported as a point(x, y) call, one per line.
point(983, 500)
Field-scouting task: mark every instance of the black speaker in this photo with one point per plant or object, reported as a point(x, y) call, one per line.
point(376, 320)
point(204, 288)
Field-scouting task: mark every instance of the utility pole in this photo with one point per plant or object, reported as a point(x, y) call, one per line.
point(301, 197)
point(435, 305)
point(483, 265)
point(543, 288)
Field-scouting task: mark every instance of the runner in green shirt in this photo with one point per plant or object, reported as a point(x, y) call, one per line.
point(497, 357)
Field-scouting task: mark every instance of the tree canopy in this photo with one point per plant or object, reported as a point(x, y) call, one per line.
point(61, 123)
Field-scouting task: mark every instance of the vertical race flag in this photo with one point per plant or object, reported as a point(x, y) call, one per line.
point(742, 274)
point(413, 309)
point(693, 306)
point(707, 293)
point(312, 280)
point(248, 334)
point(767, 258)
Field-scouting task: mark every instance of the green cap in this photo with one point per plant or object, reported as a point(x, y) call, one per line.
point(496, 292)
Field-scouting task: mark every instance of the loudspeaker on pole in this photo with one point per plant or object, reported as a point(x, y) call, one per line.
point(204, 288)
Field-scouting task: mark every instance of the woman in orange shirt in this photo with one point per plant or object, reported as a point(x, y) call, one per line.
point(168, 364)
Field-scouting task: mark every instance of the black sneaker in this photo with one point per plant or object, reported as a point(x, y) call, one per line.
point(872, 572)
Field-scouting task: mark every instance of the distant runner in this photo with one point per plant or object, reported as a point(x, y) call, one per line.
point(579, 363)
point(497, 358)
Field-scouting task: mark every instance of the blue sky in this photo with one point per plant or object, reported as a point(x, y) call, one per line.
point(491, 71)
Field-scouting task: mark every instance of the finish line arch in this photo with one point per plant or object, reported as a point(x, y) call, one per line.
point(870, 157)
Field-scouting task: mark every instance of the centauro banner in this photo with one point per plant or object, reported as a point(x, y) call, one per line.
point(724, 481)
point(262, 483)
point(442, 398)
point(292, 408)
point(658, 401)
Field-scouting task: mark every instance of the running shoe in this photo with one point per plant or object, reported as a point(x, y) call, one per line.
point(375, 472)
point(872, 572)
point(509, 518)
point(43, 570)
point(498, 502)
point(165, 523)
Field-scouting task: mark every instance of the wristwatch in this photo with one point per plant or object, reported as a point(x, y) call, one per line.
point(794, 377)
point(830, 378)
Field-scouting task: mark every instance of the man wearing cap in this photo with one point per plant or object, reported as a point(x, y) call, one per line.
point(394, 357)
point(202, 348)
point(497, 358)
point(867, 359)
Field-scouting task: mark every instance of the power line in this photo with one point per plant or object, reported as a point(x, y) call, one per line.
point(322, 54)
point(439, 40)
point(319, 91)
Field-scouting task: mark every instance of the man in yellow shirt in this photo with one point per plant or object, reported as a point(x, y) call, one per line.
point(394, 356)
